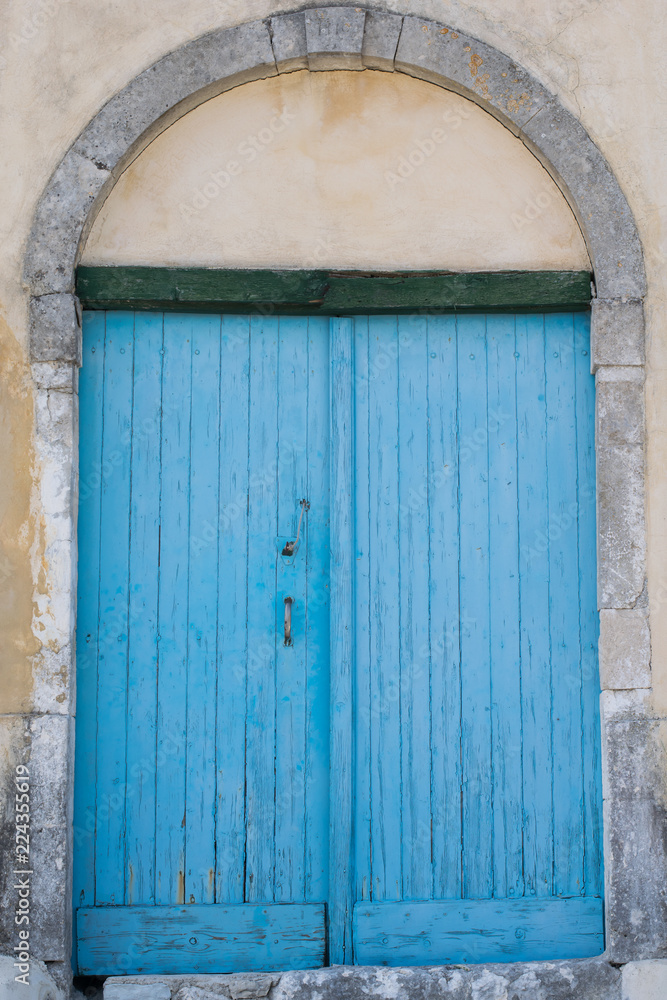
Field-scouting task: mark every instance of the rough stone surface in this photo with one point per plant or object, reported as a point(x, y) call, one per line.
point(41, 985)
point(335, 38)
point(620, 487)
point(625, 649)
point(59, 221)
point(438, 53)
point(644, 980)
point(635, 796)
point(62, 375)
point(591, 979)
point(604, 215)
point(55, 331)
point(288, 37)
point(617, 332)
point(381, 34)
point(136, 991)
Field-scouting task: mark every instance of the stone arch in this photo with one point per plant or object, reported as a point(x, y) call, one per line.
point(352, 38)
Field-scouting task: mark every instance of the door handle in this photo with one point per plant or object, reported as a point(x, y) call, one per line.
point(288, 620)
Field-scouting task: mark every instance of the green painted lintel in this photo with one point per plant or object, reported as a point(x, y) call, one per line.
point(329, 292)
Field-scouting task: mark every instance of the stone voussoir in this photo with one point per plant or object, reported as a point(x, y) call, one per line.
point(381, 35)
point(442, 55)
point(563, 145)
point(335, 37)
point(288, 37)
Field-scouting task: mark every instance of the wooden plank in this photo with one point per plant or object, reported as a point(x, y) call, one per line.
point(230, 534)
point(142, 762)
point(445, 617)
point(561, 447)
point(498, 930)
point(414, 607)
point(167, 940)
point(292, 486)
point(588, 615)
point(113, 611)
point(201, 722)
point(474, 597)
point(534, 606)
point(341, 640)
point(172, 617)
point(262, 638)
point(385, 664)
point(365, 710)
point(504, 609)
point(316, 833)
point(331, 292)
point(91, 473)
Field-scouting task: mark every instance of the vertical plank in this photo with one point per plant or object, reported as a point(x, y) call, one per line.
point(231, 536)
point(363, 707)
point(143, 590)
point(564, 611)
point(91, 404)
point(385, 665)
point(534, 605)
point(202, 611)
point(114, 555)
point(474, 595)
point(341, 638)
point(446, 613)
point(291, 582)
point(262, 559)
point(504, 609)
point(588, 617)
point(316, 806)
point(172, 695)
point(414, 609)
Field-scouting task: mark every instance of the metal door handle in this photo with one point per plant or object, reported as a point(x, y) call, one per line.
point(288, 620)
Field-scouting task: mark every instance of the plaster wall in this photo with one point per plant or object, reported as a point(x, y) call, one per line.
point(342, 170)
point(59, 63)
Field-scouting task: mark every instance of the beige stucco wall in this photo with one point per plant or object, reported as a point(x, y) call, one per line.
point(61, 59)
point(344, 170)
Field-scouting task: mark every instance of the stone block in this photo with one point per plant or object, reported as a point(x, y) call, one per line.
point(434, 52)
point(645, 980)
point(381, 34)
point(569, 153)
point(288, 35)
point(617, 332)
point(59, 220)
point(136, 991)
point(55, 331)
point(625, 649)
point(335, 38)
point(41, 985)
point(635, 793)
point(62, 376)
point(620, 487)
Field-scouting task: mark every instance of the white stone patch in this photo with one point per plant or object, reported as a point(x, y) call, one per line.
point(490, 987)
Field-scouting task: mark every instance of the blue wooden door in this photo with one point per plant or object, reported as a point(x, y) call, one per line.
point(464, 822)
point(477, 786)
point(202, 740)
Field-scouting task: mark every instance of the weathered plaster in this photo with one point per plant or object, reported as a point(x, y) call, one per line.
point(575, 54)
point(341, 170)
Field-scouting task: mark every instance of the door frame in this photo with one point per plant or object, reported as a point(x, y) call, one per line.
point(346, 38)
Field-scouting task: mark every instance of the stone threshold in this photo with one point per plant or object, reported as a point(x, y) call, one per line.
point(579, 979)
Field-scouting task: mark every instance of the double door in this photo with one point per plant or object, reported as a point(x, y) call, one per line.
point(337, 680)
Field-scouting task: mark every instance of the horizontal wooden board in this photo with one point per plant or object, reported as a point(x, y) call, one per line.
point(165, 940)
point(484, 930)
point(329, 292)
